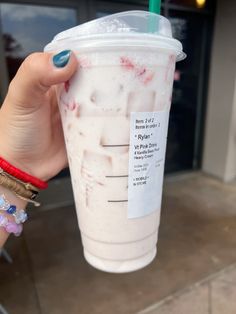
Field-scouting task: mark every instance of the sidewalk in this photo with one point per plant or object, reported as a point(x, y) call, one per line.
point(213, 295)
point(194, 272)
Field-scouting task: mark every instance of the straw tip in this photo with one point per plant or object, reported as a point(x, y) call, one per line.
point(155, 6)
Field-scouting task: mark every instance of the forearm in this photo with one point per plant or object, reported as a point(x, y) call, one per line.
point(31, 136)
point(12, 199)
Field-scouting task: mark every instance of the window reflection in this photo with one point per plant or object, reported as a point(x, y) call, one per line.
point(28, 28)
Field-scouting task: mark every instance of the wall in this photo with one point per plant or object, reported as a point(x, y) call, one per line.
point(219, 157)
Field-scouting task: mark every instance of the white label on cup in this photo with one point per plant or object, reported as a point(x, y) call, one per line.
point(148, 136)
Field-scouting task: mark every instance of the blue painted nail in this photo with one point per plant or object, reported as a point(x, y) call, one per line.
point(61, 59)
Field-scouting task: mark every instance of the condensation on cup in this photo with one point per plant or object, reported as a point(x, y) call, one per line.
point(115, 113)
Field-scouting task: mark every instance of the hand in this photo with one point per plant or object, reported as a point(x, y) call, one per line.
point(31, 136)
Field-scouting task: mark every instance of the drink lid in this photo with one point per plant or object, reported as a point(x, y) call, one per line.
point(125, 29)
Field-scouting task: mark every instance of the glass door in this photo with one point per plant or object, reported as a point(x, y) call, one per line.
point(192, 26)
point(189, 93)
point(28, 28)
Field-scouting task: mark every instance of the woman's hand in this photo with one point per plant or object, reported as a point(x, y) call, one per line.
point(31, 135)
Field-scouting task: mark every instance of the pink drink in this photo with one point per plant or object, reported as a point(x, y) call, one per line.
point(115, 114)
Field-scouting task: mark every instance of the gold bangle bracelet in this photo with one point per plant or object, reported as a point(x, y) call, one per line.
point(28, 186)
point(18, 188)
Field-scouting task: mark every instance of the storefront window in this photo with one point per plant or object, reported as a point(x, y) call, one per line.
point(28, 28)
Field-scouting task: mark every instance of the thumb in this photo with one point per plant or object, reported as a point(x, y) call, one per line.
point(38, 73)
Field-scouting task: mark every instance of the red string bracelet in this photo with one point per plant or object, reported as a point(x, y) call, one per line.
point(21, 175)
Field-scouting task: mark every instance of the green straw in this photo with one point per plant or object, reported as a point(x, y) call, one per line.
point(155, 6)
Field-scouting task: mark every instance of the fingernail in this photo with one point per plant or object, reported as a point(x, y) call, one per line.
point(61, 59)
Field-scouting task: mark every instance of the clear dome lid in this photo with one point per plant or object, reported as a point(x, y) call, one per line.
point(131, 28)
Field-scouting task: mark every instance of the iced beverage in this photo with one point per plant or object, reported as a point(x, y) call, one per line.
point(115, 113)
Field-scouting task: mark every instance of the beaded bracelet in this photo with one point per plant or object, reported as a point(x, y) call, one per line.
point(10, 227)
point(19, 214)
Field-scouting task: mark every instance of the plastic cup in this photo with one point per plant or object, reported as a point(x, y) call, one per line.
point(115, 113)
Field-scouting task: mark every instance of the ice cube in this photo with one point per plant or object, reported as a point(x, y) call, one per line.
point(115, 135)
point(141, 101)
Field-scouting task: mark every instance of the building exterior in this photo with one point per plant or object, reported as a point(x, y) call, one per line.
point(202, 128)
point(219, 158)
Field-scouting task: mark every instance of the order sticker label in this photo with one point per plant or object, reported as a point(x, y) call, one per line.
point(148, 137)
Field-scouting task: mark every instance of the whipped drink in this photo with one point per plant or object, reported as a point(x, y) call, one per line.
point(115, 113)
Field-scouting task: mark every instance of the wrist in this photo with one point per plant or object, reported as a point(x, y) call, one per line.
point(17, 163)
point(13, 199)
point(13, 158)
point(26, 181)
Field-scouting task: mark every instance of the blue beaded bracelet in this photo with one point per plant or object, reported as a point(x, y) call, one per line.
point(19, 214)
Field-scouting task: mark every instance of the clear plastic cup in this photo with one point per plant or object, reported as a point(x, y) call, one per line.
point(115, 113)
